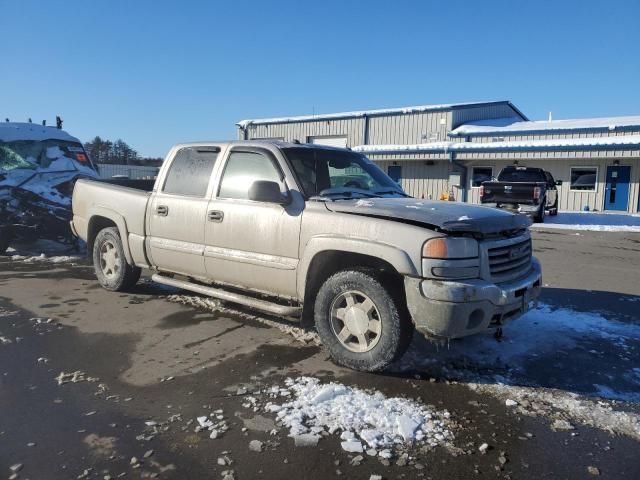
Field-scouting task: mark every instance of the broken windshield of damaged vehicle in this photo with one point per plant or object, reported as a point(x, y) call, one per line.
point(32, 154)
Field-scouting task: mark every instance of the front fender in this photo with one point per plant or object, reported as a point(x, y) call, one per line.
point(391, 254)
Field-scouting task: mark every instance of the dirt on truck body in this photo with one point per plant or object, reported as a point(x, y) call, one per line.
point(313, 232)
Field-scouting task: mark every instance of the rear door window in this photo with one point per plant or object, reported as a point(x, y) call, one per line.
point(190, 171)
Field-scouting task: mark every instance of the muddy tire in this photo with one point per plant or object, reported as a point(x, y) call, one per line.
point(361, 323)
point(110, 264)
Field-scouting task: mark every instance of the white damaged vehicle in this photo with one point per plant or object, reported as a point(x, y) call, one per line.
point(39, 166)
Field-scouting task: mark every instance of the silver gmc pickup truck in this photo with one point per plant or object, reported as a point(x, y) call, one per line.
point(315, 234)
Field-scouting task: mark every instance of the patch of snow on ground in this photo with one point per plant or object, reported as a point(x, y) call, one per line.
point(591, 221)
point(547, 329)
point(557, 404)
point(557, 363)
point(43, 258)
point(364, 419)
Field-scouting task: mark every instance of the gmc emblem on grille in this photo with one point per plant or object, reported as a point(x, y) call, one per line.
point(517, 252)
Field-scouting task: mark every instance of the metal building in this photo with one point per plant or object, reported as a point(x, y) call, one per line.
point(431, 149)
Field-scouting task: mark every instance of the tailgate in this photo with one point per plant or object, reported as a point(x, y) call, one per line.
point(507, 192)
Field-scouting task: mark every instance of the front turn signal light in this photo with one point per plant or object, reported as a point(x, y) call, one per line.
point(435, 248)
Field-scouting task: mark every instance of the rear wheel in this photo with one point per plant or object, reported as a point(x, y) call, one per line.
point(360, 322)
point(111, 267)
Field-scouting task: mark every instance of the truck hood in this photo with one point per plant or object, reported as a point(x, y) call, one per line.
point(452, 217)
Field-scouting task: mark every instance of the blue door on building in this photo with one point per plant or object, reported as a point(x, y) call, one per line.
point(616, 193)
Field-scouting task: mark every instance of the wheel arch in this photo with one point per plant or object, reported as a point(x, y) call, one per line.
point(334, 256)
point(102, 218)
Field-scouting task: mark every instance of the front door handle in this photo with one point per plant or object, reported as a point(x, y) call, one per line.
point(162, 210)
point(215, 216)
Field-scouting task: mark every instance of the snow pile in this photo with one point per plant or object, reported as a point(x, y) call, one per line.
point(16, 131)
point(213, 305)
point(363, 418)
point(214, 423)
point(591, 221)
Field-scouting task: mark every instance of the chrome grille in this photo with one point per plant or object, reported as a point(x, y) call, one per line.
point(510, 261)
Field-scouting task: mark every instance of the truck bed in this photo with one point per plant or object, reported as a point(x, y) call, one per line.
point(90, 197)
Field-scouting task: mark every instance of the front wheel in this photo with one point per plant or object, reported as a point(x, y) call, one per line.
point(111, 267)
point(360, 322)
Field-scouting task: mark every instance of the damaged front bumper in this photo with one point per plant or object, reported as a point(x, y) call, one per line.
point(453, 309)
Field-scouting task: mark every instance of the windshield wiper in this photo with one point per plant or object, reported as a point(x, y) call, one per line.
point(389, 192)
point(341, 194)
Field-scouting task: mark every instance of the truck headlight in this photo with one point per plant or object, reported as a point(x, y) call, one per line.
point(450, 247)
point(450, 258)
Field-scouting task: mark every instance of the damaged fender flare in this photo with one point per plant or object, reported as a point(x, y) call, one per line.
point(395, 257)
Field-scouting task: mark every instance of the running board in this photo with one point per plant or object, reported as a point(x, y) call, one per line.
point(263, 305)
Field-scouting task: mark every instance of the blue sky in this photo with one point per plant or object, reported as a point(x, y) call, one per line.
point(159, 72)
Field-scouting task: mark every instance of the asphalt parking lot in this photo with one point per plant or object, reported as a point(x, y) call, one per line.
point(557, 397)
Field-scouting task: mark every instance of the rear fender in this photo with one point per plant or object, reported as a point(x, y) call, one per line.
point(100, 211)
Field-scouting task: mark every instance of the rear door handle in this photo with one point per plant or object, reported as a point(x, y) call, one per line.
point(215, 216)
point(162, 210)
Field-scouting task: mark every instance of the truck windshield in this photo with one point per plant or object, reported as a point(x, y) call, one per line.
point(35, 154)
point(323, 171)
point(521, 175)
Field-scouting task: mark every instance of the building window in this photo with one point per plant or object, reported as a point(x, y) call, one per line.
point(481, 174)
point(395, 172)
point(584, 178)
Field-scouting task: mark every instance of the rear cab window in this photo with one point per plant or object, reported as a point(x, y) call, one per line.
point(190, 171)
point(522, 174)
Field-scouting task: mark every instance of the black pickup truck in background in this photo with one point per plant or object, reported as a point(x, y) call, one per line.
point(527, 190)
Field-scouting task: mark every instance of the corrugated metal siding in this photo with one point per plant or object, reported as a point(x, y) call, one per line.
point(408, 128)
point(428, 181)
point(473, 114)
point(352, 128)
point(561, 170)
point(420, 180)
point(108, 170)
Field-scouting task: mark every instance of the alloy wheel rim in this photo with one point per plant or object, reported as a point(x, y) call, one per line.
point(109, 259)
point(355, 321)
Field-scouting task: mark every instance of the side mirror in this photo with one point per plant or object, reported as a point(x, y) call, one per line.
point(558, 182)
point(268, 192)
